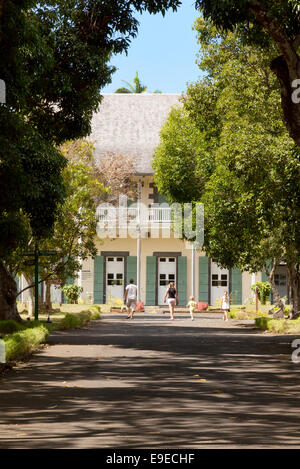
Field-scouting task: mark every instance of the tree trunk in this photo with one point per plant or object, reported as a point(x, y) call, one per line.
point(291, 110)
point(286, 66)
point(48, 304)
point(294, 283)
point(8, 296)
point(270, 276)
point(31, 301)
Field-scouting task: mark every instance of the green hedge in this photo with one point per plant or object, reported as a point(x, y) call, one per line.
point(20, 344)
point(285, 326)
point(21, 339)
point(71, 321)
point(10, 326)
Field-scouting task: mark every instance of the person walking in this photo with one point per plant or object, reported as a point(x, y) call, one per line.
point(225, 305)
point(172, 295)
point(130, 297)
point(192, 305)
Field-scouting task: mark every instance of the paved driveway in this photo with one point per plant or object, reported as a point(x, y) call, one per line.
point(151, 383)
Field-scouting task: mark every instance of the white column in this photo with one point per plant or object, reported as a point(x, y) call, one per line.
point(253, 281)
point(193, 269)
point(138, 267)
point(79, 281)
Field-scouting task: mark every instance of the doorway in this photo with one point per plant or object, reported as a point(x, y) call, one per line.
point(166, 274)
point(114, 277)
point(218, 283)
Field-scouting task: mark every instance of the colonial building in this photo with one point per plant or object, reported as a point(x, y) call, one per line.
point(129, 124)
point(140, 244)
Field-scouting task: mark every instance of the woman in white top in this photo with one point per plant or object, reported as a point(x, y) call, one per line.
point(225, 305)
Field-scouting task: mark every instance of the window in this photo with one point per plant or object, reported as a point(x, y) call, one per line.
point(162, 259)
point(110, 279)
point(171, 259)
point(280, 280)
point(162, 280)
point(283, 280)
point(110, 259)
point(119, 259)
point(223, 280)
point(215, 280)
point(119, 280)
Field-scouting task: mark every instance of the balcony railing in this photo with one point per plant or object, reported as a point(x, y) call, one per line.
point(125, 216)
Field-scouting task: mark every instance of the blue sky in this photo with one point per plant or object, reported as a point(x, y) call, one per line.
point(163, 53)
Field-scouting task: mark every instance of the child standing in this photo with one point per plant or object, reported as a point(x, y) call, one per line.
point(225, 305)
point(192, 305)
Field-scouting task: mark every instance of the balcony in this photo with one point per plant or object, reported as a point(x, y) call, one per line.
point(123, 217)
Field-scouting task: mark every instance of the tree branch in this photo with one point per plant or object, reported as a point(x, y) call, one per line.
point(267, 20)
point(43, 279)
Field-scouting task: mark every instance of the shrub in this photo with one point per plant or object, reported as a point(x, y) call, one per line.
point(20, 344)
point(262, 322)
point(10, 326)
point(285, 326)
point(95, 310)
point(71, 321)
point(21, 339)
point(72, 293)
point(263, 291)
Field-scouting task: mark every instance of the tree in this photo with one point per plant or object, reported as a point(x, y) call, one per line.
point(87, 182)
point(117, 172)
point(54, 59)
point(250, 188)
point(259, 22)
point(136, 87)
point(74, 231)
point(114, 171)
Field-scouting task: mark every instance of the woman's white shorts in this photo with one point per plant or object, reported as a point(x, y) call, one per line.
point(171, 301)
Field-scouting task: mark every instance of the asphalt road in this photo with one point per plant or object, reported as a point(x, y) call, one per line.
point(153, 383)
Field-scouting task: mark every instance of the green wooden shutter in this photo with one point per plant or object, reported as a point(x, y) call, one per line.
point(98, 280)
point(182, 279)
point(150, 280)
point(203, 281)
point(70, 280)
point(162, 199)
point(236, 287)
point(131, 269)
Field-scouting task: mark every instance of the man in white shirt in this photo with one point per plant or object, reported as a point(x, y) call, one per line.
point(130, 296)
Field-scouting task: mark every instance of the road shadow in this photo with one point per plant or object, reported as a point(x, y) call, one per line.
point(123, 384)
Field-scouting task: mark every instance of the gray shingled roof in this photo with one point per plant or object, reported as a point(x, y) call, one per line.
point(129, 124)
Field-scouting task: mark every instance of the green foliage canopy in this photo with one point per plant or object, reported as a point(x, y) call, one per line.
point(249, 165)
